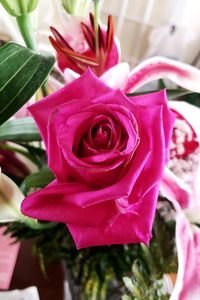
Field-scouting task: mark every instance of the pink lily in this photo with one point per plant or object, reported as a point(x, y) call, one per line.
point(120, 76)
point(159, 67)
point(98, 57)
point(152, 69)
point(187, 286)
point(181, 186)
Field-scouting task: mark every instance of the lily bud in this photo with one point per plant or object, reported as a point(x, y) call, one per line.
point(17, 8)
point(76, 7)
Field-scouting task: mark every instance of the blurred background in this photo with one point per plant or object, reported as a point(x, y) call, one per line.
point(152, 27)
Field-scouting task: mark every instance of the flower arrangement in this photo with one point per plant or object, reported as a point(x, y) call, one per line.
point(99, 161)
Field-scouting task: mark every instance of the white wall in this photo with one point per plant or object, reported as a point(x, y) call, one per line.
point(144, 26)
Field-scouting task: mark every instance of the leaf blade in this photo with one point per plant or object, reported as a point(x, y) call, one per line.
point(37, 180)
point(22, 72)
point(21, 130)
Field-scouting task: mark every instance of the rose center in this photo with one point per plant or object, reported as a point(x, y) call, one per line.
point(101, 136)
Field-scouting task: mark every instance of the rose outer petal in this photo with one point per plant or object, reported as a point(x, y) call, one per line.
point(155, 99)
point(125, 228)
point(55, 203)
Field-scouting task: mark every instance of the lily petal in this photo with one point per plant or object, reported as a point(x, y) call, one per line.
point(174, 189)
point(193, 215)
point(187, 285)
point(116, 76)
point(191, 114)
point(54, 84)
point(10, 200)
point(70, 75)
point(157, 67)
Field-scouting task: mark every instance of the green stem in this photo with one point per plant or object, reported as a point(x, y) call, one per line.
point(96, 26)
point(25, 26)
point(44, 89)
point(24, 23)
point(34, 224)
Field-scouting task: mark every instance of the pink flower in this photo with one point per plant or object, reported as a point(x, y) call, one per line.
point(77, 53)
point(154, 68)
point(181, 186)
point(187, 285)
point(181, 180)
point(108, 153)
point(150, 70)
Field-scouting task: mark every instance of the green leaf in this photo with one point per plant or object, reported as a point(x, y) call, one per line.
point(161, 84)
point(22, 72)
point(37, 180)
point(21, 130)
point(172, 94)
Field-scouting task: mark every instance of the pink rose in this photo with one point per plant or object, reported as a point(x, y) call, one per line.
point(108, 153)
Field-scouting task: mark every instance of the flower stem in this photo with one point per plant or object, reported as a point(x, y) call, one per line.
point(96, 26)
point(25, 26)
point(44, 89)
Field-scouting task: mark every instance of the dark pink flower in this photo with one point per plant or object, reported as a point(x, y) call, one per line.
point(99, 58)
point(108, 153)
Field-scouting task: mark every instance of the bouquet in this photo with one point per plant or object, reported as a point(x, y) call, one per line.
point(95, 169)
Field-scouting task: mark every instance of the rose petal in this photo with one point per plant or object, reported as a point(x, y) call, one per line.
point(55, 203)
point(156, 68)
point(88, 83)
point(155, 99)
point(123, 228)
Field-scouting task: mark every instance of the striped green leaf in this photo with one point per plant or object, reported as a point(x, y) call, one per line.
point(37, 180)
point(22, 72)
point(21, 130)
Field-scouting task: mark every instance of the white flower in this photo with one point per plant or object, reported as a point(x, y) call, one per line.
point(10, 200)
